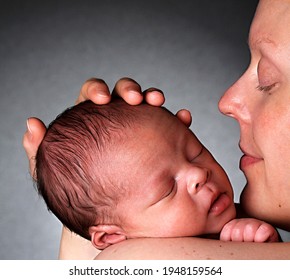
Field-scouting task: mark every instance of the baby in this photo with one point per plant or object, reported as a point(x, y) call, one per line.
point(116, 171)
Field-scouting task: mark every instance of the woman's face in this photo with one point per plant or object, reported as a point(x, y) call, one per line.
point(260, 102)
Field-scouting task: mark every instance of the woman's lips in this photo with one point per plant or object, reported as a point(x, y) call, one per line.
point(247, 160)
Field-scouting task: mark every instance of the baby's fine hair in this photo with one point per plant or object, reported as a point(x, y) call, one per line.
point(70, 167)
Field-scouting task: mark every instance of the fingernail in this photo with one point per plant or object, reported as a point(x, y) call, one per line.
point(134, 92)
point(29, 129)
point(153, 90)
point(102, 94)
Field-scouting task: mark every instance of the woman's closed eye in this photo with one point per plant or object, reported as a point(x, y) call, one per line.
point(266, 88)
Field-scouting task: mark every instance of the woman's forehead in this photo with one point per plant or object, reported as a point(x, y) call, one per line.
point(270, 19)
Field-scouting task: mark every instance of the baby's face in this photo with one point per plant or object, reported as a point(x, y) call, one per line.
point(174, 187)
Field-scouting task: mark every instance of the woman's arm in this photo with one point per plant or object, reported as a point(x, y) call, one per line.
point(192, 248)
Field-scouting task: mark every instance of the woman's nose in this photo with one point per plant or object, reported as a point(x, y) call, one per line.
point(233, 102)
point(229, 103)
point(197, 177)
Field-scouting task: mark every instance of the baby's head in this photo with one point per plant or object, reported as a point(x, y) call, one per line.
point(117, 171)
point(74, 160)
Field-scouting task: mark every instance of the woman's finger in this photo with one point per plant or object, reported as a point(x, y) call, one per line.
point(185, 116)
point(129, 90)
point(154, 96)
point(32, 139)
point(95, 90)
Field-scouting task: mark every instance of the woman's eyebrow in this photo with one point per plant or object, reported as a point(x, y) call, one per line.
point(253, 43)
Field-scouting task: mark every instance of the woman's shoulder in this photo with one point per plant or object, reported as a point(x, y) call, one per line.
point(193, 248)
point(160, 249)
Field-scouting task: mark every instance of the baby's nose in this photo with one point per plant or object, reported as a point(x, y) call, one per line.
point(197, 178)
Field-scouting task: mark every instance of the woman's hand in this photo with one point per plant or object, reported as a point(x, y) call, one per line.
point(31, 141)
point(98, 92)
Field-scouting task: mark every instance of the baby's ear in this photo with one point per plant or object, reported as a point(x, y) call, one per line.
point(103, 236)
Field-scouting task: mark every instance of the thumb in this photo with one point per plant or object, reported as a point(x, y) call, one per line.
point(32, 139)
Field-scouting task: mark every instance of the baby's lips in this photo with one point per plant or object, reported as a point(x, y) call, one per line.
point(220, 204)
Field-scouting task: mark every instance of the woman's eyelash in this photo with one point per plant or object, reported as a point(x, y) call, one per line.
point(265, 88)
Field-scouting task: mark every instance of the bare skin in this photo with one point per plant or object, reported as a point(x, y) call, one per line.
point(193, 248)
point(75, 247)
point(267, 90)
point(71, 245)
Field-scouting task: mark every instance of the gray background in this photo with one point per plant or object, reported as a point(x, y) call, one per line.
point(192, 50)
